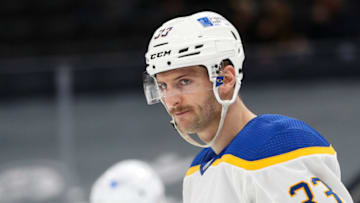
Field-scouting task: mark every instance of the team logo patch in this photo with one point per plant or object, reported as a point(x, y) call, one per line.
point(114, 184)
point(205, 21)
point(219, 81)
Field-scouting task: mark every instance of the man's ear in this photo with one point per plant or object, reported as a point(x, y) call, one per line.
point(227, 88)
point(229, 75)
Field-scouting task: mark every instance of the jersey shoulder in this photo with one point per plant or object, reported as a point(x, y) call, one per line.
point(270, 135)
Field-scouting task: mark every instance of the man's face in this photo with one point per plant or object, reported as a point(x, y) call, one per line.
point(188, 96)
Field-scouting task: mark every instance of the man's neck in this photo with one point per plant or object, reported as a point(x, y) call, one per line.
point(237, 117)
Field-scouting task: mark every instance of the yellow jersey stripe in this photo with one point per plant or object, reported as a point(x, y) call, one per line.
point(262, 163)
point(192, 170)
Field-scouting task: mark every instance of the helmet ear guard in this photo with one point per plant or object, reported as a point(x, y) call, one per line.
point(212, 42)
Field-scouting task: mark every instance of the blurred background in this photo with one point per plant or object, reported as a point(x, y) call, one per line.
point(71, 101)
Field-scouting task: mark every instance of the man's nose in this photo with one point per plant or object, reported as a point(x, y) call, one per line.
point(172, 100)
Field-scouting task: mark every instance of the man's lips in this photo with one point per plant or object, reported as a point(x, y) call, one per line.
point(180, 113)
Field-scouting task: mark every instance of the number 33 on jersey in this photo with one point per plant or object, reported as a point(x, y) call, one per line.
point(313, 190)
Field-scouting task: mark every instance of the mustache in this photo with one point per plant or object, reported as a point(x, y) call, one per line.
point(174, 110)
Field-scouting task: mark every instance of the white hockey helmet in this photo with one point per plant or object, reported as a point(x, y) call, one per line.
point(202, 39)
point(129, 181)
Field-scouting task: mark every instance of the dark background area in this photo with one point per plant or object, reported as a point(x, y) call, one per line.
point(104, 42)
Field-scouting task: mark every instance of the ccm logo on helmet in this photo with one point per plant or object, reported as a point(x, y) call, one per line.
point(160, 54)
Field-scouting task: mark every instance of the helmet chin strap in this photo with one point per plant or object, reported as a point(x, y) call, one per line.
point(225, 105)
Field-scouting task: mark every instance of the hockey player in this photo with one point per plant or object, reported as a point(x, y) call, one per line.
point(129, 181)
point(194, 67)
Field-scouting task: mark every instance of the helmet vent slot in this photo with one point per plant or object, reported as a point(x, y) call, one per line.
point(199, 46)
point(191, 54)
point(183, 50)
point(234, 35)
point(161, 44)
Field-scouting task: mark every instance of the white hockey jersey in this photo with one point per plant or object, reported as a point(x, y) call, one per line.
point(272, 159)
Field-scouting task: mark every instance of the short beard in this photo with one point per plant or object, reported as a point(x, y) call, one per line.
point(209, 114)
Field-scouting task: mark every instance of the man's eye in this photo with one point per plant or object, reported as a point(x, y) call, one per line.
point(184, 82)
point(162, 86)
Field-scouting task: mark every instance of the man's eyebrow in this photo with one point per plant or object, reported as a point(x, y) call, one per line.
point(182, 75)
